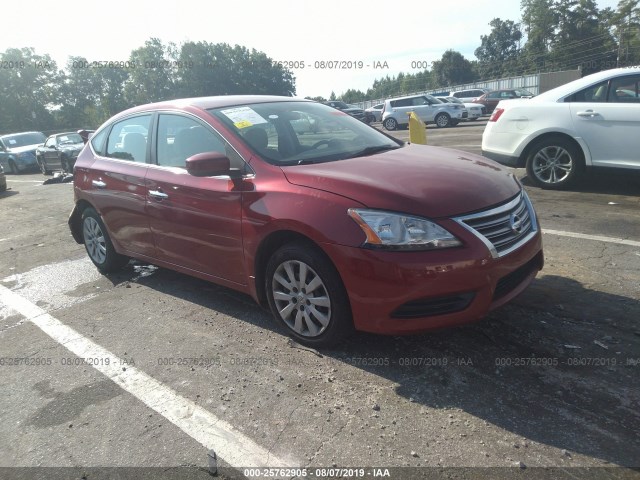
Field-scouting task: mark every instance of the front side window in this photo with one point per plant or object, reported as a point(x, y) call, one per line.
point(128, 139)
point(51, 142)
point(181, 137)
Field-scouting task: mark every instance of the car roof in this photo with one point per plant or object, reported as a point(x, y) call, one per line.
point(18, 133)
point(571, 87)
point(213, 102)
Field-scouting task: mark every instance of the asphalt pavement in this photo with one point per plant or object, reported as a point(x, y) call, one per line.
point(152, 374)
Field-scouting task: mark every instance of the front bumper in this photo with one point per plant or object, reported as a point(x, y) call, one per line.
point(409, 292)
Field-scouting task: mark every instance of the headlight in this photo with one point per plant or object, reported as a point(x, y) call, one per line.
point(401, 232)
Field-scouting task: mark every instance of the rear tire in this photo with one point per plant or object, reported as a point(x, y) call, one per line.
point(98, 244)
point(554, 163)
point(43, 167)
point(13, 167)
point(307, 296)
point(390, 124)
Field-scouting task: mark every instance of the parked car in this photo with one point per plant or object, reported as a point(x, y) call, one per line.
point(491, 99)
point(18, 151)
point(3, 180)
point(353, 110)
point(473, 110)
point(59, 152)
point(376, 111)
point(428, 108)
point(590, 122)
point(469, 95)
point(333, 231)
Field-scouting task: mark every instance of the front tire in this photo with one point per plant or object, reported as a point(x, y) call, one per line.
point(43, 167)
point(442, 120)
point(554, 163)
point(307, 296)
point(98, 244)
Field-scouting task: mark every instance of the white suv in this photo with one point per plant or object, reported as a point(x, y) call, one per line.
point(428, 108)
point(591, 122)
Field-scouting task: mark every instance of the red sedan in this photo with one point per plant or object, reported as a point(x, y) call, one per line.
point(340, 228)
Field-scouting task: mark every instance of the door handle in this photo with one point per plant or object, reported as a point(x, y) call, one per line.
point(98, 183)
point(157, 194)
point(588, 114)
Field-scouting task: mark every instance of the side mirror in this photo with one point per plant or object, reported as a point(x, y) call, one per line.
point(208, 164)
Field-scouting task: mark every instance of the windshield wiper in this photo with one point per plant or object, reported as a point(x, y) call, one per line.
point(373, 150)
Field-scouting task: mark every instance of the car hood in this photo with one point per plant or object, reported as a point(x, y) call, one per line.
point(26, 148)
point(417, 179)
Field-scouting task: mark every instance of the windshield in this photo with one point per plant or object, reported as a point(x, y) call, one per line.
point(69, 139)
point(23, 139)
point(293, 133)
point(523, 93)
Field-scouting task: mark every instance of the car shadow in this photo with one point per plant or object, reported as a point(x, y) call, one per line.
point(557, 366)
point(9, 193)
point(608, 181)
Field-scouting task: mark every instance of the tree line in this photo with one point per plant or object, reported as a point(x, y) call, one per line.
point(551, 35)
point(36, 95)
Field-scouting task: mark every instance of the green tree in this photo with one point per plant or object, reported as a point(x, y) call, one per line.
point(499, 51)
point(452, 69)
point(220, 69)
point(152, 80)
point(539, 20)
point(625, 23)
point(28, 88)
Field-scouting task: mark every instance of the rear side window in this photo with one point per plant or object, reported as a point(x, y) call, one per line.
point(97, 141)
point(128, 139)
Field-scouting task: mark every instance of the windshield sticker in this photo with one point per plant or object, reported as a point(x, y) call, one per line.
point(12, 141)
point(243, 117)
point(273, 117)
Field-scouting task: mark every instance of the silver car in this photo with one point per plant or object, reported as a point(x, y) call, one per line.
point(395, 113)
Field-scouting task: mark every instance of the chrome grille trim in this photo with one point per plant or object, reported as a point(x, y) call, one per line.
point(494, 226)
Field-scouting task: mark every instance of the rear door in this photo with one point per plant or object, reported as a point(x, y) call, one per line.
point(607, 117)
point(117, 184)
point(196, 221)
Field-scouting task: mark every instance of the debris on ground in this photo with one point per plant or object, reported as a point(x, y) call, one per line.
point(59, 177)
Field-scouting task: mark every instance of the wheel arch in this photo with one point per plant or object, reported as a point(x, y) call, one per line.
point(75, 220)
point(268, 247)
point(586, 157)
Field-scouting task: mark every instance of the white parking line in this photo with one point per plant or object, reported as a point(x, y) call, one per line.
point(597, 238)
point(25, 181)
point(212, 432)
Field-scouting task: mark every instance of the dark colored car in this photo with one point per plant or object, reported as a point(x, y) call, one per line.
point(59, 152)
point(341, 229)
point(352, 110)
point(18, 151)
point(491, 99)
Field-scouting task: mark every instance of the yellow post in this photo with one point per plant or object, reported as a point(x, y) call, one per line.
point(417, 129)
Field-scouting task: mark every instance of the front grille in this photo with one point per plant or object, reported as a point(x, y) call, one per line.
point(505, 228)
point(428, 307)
point(509, 282)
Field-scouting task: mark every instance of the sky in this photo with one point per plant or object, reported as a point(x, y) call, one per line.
point(386, 37)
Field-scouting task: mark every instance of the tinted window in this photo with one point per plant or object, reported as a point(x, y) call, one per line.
point(181, 137)
point(595, 93)
point(23, 139)
point(625, 90)
point(494, 95)
point(403, 102)
point(97, 141)
point(128, 139)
